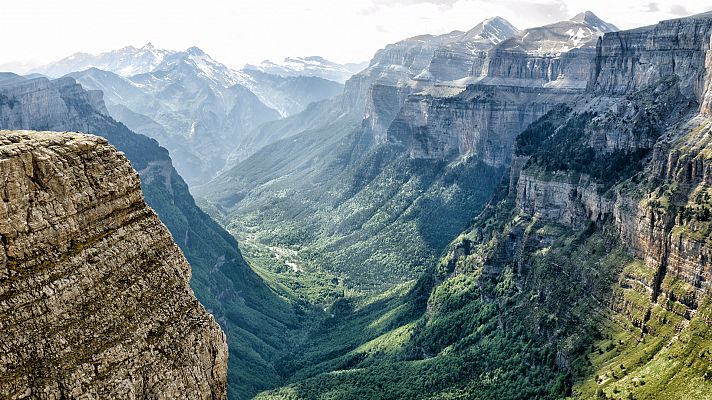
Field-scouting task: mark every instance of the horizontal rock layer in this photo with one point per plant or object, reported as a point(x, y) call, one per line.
point(94, 295)
point(482, 121)
point(631, 60)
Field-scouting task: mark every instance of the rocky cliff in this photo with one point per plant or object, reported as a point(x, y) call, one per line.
point(95, 301)
point(631, 160)
point(593, 258)
point(521, 79)
point(482, 121)
point(631, 60)
point(416, 63)
point(654, 106)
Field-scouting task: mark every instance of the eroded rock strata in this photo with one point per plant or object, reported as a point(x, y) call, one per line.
point(94, 295)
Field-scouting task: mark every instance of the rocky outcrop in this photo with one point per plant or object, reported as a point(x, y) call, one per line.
point(572, 202)
point(628, 61)
point(383, 104)
point(222, 280)
point(94, 295)
point(483, 121)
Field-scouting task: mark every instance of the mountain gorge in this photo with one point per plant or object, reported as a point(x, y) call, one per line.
point(579, 152)
point(497, 213)
point(400, 164)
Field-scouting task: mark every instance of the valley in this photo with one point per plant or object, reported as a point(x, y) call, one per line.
point(489, 213)
point(532, 298)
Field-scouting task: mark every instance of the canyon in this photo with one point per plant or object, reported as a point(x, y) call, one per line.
point(496, 212)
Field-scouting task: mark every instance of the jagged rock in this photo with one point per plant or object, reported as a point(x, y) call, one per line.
point(94, 295)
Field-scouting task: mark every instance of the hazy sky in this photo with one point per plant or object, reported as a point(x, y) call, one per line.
point(240, 31)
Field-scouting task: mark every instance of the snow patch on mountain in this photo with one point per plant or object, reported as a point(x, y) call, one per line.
point(126, 61)
point(309, 66)
point(583, 30)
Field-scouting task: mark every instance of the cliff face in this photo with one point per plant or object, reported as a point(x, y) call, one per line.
point(648, 89)
point(609, 211)
point(631, 60)
point(94, 293)
point(483, 121)
point(520, 79)
point(407, 66)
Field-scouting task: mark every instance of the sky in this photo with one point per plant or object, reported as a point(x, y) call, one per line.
point(236, 32)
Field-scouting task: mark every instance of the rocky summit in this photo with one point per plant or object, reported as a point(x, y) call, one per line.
point(94, 295)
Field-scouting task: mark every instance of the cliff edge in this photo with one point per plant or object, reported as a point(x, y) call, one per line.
point(94, 295)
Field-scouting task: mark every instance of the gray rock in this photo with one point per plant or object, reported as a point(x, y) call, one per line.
point(94, 295)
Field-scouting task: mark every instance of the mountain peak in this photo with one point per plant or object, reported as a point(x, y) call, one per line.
point(195, 51)
point(494, 30)
point(148, 46)
point(315, 66)
point(591, 19)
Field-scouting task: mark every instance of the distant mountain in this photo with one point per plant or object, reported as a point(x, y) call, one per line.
point(125, 61)
point(581, 31)
point(190, 103)
point(309, 66)
point(290, 95)
point(198, 108)
point(423, 60)
point(459, 57)
point(19, 67)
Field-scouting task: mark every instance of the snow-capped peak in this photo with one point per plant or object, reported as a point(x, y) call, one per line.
point(592, 20)
point(307, 66)
point(491, 31)
point(204, 66)
point(582, 31)
point(125, 61)
point(195, 51)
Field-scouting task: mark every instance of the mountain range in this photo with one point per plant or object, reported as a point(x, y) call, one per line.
point(198, 108)
point(308, 66)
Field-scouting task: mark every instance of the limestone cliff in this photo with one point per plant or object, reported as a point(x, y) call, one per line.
point(520, 79)
point(94, 295)
point(605, 222)
point(655, 107)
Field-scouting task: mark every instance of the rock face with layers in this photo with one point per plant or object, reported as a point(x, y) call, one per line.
point(659, 75)
point(94, 295)
point(519, 80)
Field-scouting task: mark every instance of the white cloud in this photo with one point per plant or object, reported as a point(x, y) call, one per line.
point(242, 31)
